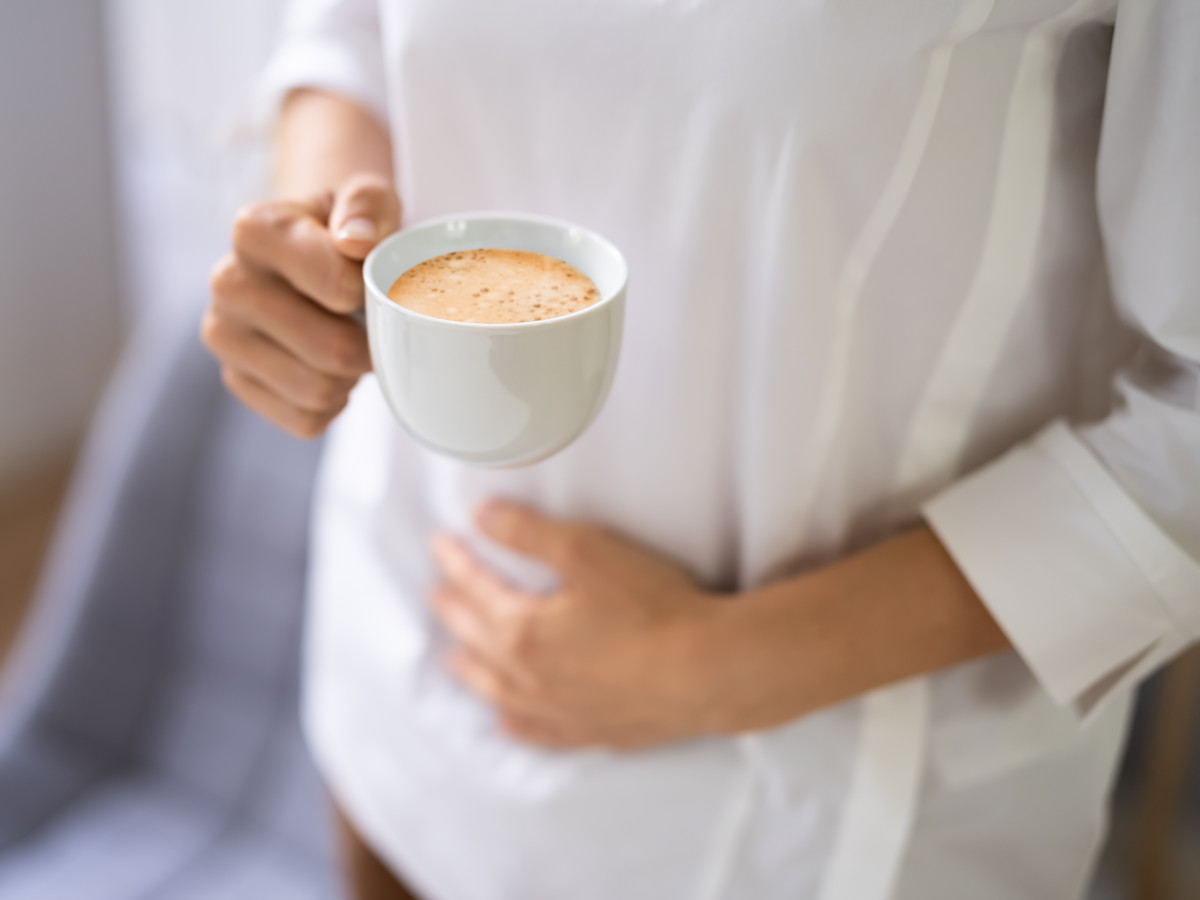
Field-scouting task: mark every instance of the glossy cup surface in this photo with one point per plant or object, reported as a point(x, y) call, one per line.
point(495, 395)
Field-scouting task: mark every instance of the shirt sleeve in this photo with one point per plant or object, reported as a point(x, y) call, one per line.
point(1084, 543)
point(329, 45)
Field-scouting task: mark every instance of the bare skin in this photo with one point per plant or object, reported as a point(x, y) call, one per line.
point(365, 874)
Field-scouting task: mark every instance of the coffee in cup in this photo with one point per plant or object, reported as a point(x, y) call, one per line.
point(496, 393)
point(494, 286)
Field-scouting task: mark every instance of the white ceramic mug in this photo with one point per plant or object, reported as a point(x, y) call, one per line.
point(496, 395)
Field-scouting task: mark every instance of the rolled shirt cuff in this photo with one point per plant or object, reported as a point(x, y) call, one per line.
point(347, 66)
point(1090, 591)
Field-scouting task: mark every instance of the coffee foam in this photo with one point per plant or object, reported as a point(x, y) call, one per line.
point(494, 286)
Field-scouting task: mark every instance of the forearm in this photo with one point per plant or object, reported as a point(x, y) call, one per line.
point(894, 611)
point(321, 140)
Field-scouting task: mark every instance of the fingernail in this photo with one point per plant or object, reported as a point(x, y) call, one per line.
point(357, 229)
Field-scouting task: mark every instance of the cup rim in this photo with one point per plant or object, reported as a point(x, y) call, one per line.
point(379, 295)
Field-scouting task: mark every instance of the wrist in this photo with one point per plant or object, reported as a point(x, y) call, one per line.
point(753, 659)
point(680, 656)
point(898, 609)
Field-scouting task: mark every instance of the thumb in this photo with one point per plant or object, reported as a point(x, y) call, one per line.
point(365, 211)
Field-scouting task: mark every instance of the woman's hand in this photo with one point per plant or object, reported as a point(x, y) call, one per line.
point(631, 652)
point(611, 659)
point(277, 322)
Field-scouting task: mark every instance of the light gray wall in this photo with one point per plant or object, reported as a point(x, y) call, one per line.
point(190, 149)
point(60, 311)
point(174, 94)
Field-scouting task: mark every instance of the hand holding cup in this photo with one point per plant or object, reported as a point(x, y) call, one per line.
point(279, 318)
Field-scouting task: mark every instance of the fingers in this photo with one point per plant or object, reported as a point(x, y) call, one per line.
point(327, 342)
point(479, 609)
point(468, 622)
point(529, 532)
point(283, 355)
point(503, 641)
point(275, 368)
point(489, 593)
point(489, 681)
point(520, 716)
point(277, 321)
point(365, 211)
point(489, 662)
point(298, 422)
point(287, 239)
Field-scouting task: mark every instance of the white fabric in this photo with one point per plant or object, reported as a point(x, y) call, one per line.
point(870, 245)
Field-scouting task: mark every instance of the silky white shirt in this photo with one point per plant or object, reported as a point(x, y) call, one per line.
point(889, 259)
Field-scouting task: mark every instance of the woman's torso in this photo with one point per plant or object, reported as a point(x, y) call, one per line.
point(864, 259)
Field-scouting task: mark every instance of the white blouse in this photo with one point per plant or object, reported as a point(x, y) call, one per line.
point(887, 261)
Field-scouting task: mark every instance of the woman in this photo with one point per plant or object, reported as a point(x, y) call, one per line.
point(840, 597)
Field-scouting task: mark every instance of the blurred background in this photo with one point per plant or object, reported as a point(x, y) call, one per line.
point(127, 140)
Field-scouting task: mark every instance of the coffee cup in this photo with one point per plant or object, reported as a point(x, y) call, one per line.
point(495, 394)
